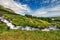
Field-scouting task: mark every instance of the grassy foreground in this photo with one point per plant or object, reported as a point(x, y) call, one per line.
point(29, 35)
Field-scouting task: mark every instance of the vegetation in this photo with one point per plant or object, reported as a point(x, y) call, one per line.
point(3, 27)
point(41, 18)
point(28, 20)
point(57, 21)
point(23, 20)
point(51, 20)
point(29, 35)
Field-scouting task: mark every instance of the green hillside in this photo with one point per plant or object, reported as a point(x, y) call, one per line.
point(20, 20)
point(57, 21)
point(28, 20)
point(3, 27)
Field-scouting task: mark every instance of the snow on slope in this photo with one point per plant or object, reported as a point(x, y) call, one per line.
point(18, 8)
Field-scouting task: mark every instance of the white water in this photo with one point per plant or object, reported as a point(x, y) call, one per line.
point(8, 23)
point(11, 26)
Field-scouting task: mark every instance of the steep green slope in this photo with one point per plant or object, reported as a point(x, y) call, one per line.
point(3, 27)
point(57, 21)
point(22, 20)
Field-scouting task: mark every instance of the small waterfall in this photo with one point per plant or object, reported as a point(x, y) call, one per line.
point(8, 23)
point(11, 26)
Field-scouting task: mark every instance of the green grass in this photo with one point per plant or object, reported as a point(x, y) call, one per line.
point(27, 21)
point(30, 35)
point(3, 26)
point(57, 21)
point(22, 20)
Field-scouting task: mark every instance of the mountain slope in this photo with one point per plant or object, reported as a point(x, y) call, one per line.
point(3, 26)
point(20, 20)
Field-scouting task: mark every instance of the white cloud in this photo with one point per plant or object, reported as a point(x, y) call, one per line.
point(45, 1)
point(56, 8)
point(39, 12)
point(18, 8)
point(48, 12)
point(53, 0)
point(52, 14)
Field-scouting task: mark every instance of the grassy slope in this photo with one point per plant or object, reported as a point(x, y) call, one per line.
point(57, 21)
point(25, 35)
point(3, 27)
point(22, 20)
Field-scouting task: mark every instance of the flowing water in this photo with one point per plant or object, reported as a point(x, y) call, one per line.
point(11, 26)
